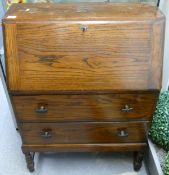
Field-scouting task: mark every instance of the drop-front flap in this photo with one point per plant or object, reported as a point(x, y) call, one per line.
point(81, 47)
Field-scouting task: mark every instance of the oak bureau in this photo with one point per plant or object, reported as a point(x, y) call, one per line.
point(83, 76)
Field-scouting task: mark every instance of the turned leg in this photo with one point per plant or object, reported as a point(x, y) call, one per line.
point(29, 160)
point(137, 162)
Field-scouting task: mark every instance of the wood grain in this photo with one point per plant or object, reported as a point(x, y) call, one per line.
point(11, 54)
point(82, 11)
point(103, 147)
point(112, 54)
point(156, 65)
point(66, 108)
point(82, 133)
point(107, 56)
point(72, 68)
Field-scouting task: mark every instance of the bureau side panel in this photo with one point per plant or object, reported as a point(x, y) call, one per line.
point(11, 55)
point(156, 66)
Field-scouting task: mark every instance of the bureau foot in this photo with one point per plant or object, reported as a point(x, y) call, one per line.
point(29, 160)
point(137, 162)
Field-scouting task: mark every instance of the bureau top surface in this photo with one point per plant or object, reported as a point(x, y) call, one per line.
point(82, 11)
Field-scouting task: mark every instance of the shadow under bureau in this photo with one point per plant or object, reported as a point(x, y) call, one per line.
point(84, 76)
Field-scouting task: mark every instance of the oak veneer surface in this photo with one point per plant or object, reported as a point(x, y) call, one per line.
point(84, 76)
point(66, 108)
point(82, 11)
point(51, 52)
point(101, 147)
point(83, 133)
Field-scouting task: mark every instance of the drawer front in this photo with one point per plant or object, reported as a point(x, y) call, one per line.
point(62, 108)
point(60, 56)
point(53, 133)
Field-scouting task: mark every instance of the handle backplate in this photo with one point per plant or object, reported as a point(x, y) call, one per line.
point(41, 108)
point(46, 133)
point(122, 132)
point(126, 108)
point(83, 28)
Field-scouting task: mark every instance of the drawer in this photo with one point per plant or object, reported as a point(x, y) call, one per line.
point(63, 108)
point(77, 133)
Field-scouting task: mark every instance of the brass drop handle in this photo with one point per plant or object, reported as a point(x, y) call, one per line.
point(83, 28)
point(46, 134)
point(122, 133)
point(41, 109)
point(126, 109)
